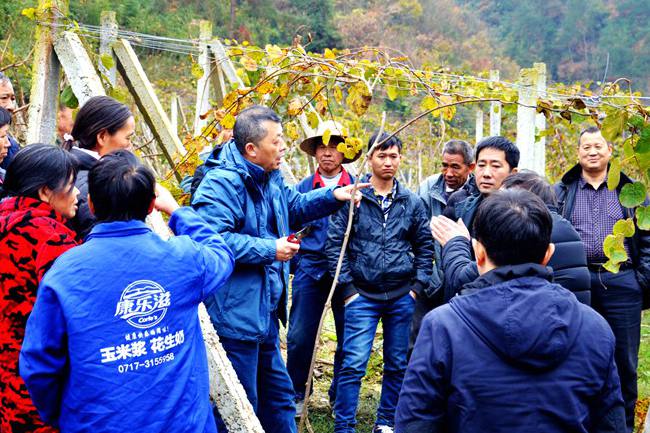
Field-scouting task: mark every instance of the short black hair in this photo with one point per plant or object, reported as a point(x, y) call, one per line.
point(588, 130)
point(248, 126)
point(459, 147)
point(97, 114)
point(500, 143)
point(514, 226)
point(392, 141)
point(120, 187)
point(37, 166)
point(5, 117)
point(533, 182)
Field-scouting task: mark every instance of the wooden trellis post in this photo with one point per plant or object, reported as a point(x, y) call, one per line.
point(495, 109)
point(479, 125)
point(203, 84)
point(107, 36)
point(41, 116)
point(526, 111)
point(539, 148)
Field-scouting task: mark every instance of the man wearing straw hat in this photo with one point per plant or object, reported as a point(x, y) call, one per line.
point(312, 281)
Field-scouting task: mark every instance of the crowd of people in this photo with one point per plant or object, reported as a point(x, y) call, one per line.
point(497, 312)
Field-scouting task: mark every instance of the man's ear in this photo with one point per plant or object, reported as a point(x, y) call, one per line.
point(514, 170)
point(91, 206)
point(479, 252)
point(472, 166)
point(250, 149)
point(549, 253)
point(152, 205)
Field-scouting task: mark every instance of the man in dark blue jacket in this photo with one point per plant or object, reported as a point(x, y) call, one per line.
point(519, 353)
point(113, 343)
point(8, 102)
point(311, 281)
point(386, 266)
point(244, 197)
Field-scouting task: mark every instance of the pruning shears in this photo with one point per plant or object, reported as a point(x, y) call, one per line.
point(296, 238)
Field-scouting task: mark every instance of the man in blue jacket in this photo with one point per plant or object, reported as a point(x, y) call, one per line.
point(243, 197)
point(519, 353)
point(386, 266)
point(113, 343)
point(311, 281)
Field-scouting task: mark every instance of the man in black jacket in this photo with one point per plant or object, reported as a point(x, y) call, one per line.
point(496, 158)
point(593, 209)
point(386, 266)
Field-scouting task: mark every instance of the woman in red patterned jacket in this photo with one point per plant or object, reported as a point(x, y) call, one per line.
point(40, 191)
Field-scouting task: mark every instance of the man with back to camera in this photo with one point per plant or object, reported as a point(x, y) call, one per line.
point(114, 343)
point(386, 266)
point(311, 281)
point(244, 197)
point(593, 209)
point(519, 353)
point(456, 174)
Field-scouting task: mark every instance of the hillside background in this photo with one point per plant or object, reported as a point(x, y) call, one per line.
point(575, 38)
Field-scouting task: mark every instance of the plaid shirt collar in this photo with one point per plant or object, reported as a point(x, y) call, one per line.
point(582, 183)
point(385, 201)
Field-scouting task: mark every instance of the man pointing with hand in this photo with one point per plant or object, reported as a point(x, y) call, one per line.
point(246, 200)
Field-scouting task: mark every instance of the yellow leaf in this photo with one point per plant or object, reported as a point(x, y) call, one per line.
point(312, 119)
point(274, 51)
point(245, 43)
point(228, 121)
point(295, 106)
point(338, 94)
point(329, 54)
point(391, 91)
point(428, 103)
point(265, 88)
point(359, 98)
point(341, 147)
point(291, 130)
point(326, 137)
point(284, 90)
point(197, 71)
point(249, 64)
point(29, 13)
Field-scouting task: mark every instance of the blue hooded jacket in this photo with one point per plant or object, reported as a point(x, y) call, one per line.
point(520, 354)
point(113, 343)
point(238, 207)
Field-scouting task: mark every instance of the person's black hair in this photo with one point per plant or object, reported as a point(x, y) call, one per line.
point(588, 130)
point(533, 182)
point(120, 187)
point(392, 141)
point(5, 117)
point(37, 166)
point(248, 126)
point(514, 226)
point(97, 114)
point(500, 143)
point(459, 147)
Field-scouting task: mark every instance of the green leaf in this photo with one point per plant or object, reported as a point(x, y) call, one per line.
point(636, 121)
point(614, 247)
point(643, 217)
point(624, 227)
point(628, 149)
point(613, 125)
point(120, 94)
point(633, 194)
point(312, 119)
point(643, 144)
point(68, 98)
point(107, 61)
point(614, 174)
point(197, 71)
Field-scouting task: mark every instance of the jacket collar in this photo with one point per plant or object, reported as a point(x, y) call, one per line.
point(40, 208)
point(118, 229)
point(317, 181)
point(575, 173)
point(507, 273)
point(400, 191)
point(229, 158)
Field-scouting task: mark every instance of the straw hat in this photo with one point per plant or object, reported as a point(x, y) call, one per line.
point(309, 144)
